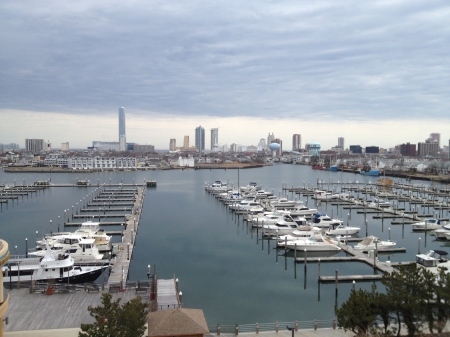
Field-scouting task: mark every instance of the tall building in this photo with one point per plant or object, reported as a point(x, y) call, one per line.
point(341, 142)
point(200, 138)
point(356, 148)
point(34, 145)
point(372, 149)
point(173, 144)
point(122, 132)
point(270, 138)
point(65, 147)
point(408, 150)
point(427, 149)
point(186, 142)
point(214, 139)
point(437, 138)
point(296, 142)
point(279, 152)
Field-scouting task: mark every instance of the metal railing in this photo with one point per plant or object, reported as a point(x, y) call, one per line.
point(277, 326)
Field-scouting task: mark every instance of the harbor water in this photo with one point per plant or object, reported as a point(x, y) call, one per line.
point(223, 265)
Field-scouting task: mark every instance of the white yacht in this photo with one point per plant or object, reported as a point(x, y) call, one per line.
point(304, 211)
point(325, 195)
point(341, 229)
point(434, 260)
point(370, 242)
point(316, 243)
point(269, 218)
point(58, 267)
point(285, 226)
point(80, 249)
point(324, 221)
point(427, 225)
point(303, 232)
point(442, 232)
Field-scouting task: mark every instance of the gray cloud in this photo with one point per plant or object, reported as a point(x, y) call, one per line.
point(345, 59)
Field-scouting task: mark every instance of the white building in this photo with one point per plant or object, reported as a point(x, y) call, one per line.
point(186, 162)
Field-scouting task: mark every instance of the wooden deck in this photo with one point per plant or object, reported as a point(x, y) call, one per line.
point(39, 311)
point(283, 332)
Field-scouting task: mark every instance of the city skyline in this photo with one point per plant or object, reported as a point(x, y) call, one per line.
point(376, 73)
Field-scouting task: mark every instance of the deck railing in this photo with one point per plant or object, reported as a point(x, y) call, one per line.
point(277, 326)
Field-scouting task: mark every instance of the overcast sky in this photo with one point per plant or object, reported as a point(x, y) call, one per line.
point(374, 72)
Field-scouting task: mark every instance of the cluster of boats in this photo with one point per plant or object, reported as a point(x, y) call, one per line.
point(71, 257)
point(292, 224)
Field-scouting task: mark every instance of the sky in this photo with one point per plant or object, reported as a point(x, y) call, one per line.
point(374, 72)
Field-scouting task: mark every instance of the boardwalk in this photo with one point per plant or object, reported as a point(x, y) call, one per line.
point(167, 295)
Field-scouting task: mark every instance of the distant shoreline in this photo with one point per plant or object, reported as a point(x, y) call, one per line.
point(231, 166)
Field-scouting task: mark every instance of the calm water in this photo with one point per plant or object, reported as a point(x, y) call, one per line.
point(223, 267)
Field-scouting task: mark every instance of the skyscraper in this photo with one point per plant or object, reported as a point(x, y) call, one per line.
point(437, 138)
point(122, 133)
point(296, 142)
point(173, 144)
point(214, 139)
point(200, 138)
point(34, 145)
point(186, 142)
point(341, 142)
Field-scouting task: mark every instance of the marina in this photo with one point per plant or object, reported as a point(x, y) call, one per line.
point(171, 240)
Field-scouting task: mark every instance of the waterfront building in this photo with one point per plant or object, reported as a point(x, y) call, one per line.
point(296, 142)
point(88, 163)
point(122, 132)
point(214, 139)
point(65, 147)
point(4, 257)
point(427, 149)
point(200, 138)
point(356, 148)
point(372, 149)
point(55, 159)
point(143, 148)
point(341, 142)
point(408, 150)
point(186, 162)
point(173, 144)
point(34, 145)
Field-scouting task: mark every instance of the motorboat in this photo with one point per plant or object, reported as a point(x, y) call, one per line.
point(377, 203)
point(261, 194)
point(304, 211)
point(371, 242)
point(442, 232)
point(80, 249)
point(427, 224)
point(341, 229)
point(87, 230)
point(244, 204)
point(303, 232)
point(251, 187)
point(59, 268)
point(270, 218)
point(324, 221)
point(217, 187)
point(284, 202)
point(434, 260)
point(316, 243)
point(285, 226)
point(325, 195)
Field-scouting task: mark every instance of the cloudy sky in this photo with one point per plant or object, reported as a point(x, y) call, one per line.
point(374, 72)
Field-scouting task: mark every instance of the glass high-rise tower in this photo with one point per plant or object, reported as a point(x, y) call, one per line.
point(122, 133)
point(200, 138)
